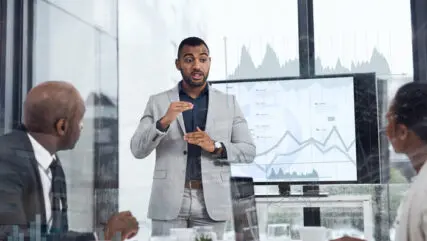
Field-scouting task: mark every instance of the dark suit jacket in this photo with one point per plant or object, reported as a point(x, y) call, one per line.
point(21, 195)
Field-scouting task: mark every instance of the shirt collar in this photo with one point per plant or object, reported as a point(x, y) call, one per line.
point(204, 91)
point(422, 171)
point(43, 157)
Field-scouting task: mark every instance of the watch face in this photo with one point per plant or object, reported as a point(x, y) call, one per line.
point(218, 145)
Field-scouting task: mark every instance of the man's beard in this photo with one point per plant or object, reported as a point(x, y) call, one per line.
point(189, 81)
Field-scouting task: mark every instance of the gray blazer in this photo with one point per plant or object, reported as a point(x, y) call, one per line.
point(224, 122)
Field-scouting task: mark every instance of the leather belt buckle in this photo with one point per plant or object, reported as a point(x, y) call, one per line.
point(193, 184)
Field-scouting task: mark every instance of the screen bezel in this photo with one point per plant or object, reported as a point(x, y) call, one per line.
point(367, 127)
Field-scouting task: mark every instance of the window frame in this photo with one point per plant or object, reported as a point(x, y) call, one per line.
point(419, 39)
point(16, 60)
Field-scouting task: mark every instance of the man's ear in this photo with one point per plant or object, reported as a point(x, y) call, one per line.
point(402, 132)
point(61, 127)
point(177, 65)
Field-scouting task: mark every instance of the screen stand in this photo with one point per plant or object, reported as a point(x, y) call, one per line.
point(284, 189)
point(308, 191)
point(311, 214)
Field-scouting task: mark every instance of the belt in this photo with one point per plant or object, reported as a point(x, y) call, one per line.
point(194, 184)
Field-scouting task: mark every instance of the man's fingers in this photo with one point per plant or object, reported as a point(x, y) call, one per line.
point(193, 141)
point(181, 109)
point(128, 219)
point(125, 213)
point(131, 228)
point(131, 234)
point(194, 136)
point(182, 104)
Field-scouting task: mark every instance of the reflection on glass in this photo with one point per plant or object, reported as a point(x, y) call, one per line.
point(165, 238)
point(72, 43)
point(205, 233)
point(183, 234)
point(276, 232)
point(314, 233)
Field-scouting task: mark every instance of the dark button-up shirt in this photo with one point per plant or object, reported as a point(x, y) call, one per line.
point(194, 118)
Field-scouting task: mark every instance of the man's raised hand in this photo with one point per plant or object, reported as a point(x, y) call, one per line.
point(175, 108)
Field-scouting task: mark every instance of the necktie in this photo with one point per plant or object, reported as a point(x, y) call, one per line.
point(58, 197)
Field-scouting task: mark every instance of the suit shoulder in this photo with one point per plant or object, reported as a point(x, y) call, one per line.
point(160, 95)
point(15, 148)
point(8, 142)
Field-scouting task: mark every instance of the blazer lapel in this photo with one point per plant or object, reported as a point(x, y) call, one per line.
point(173, 97)
point(26, 152)
point(212, 106)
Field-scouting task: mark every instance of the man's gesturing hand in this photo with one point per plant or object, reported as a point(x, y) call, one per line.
point(201, 139)
point(123, 223)
point(175, 108)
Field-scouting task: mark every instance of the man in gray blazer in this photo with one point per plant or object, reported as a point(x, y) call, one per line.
point(197, 132)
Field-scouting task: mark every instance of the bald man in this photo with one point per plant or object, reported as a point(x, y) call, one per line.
point(32, 181)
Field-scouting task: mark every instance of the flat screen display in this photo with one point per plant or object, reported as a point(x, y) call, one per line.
point(304, 129)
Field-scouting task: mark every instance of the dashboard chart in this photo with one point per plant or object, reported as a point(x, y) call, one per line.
point(304, 129)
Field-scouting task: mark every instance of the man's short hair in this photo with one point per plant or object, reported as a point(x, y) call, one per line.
point(191, 41)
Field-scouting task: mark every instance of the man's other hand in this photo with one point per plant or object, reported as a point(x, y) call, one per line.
point(123, 223)
point(200, 138)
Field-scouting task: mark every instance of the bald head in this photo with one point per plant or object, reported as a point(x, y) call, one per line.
point(49, 102)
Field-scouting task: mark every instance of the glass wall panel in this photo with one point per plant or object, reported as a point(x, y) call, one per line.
point(98, 13)
point(247, 39)
point(370, 36)
point(71, 44)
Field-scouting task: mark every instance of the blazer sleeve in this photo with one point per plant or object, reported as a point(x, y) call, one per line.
point(12, 213)
point(241, 148)
point(147, 136)
point(13, 221)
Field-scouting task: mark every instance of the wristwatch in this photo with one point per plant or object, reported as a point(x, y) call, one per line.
point(217, 146)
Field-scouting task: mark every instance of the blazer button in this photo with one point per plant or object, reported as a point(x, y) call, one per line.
point(185, 152)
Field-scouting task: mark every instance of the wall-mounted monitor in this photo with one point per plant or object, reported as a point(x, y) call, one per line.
point(310, 130)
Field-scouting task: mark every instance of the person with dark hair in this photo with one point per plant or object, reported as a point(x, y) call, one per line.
point(32, 180)
point(407, 133)
point(194, 42)
point(197, 131)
